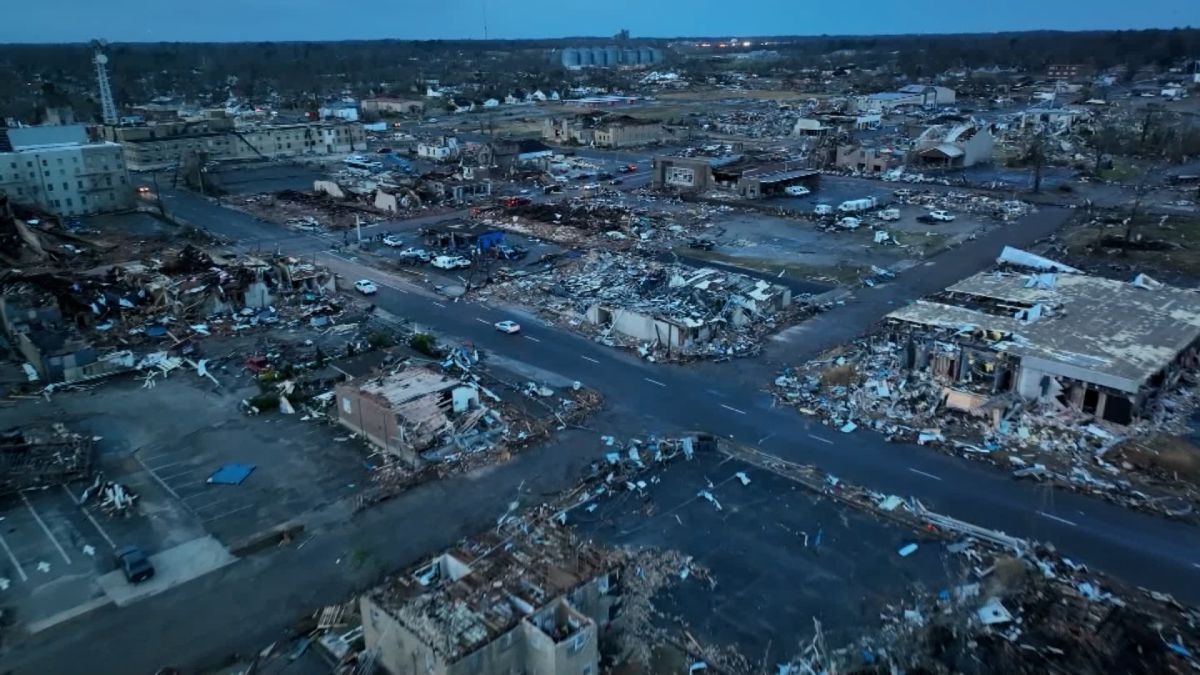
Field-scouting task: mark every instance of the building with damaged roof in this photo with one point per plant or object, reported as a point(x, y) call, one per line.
point(531, 600)
point(1102, 346)
point(959, 144)
point(409, 411)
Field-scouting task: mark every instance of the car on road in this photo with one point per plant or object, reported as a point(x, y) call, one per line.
point(604, 176)
point(366, 287)
point(393, 241)
point(411, 254)
point(797, 191)
point(509, 327)
point(143, 189)
point(628, 168)
point(615, 181)
point(134, 564)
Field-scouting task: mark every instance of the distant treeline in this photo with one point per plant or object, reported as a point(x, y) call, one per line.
point(33, 77)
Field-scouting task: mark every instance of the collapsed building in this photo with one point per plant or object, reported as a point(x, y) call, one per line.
point(408, 412)
point(527, 598)
point(33, 457)
point(684, 311)
point(956, 145)
point(736, 174)
point(1101, 346)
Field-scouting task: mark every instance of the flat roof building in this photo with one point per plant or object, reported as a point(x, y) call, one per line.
point(58, 170)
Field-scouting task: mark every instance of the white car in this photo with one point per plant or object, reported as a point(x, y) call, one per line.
point(509, 327)
point(850, 223)
point(941, 216)
point(393, 241)
point(797, 191)
point(366, 287)
point(889, 215)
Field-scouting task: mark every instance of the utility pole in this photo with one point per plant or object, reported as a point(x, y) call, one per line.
point(1039, 159)
point(108, 108)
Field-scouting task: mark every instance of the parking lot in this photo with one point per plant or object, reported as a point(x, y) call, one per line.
point(162, 444)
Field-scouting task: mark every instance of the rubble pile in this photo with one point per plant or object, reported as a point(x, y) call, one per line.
point(664, 310)
point(967, 202)
point(306, 210)
point(113, 498)
point(35, 457)
point(867, 385)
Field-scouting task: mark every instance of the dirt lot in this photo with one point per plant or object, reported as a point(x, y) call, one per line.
point(1165, 247)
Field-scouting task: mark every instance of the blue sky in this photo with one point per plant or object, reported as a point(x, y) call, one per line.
point(238, 20)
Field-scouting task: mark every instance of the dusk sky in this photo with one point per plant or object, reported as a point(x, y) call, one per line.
point(252, 20)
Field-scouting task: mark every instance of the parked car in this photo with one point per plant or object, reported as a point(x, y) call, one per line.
point(941, 216)
point(628, 168)
point(509, 327)
point(615, 181)
point(702, 244)
point(889, 214)
point(903, 193)
point(393, 240)
point(604, 176)
point(511, 252)
point(134, 564)
point(415, 255)
point(823, 209)
point(796, 191)
point(366, 287)
point(849, 222)
point(552, 190)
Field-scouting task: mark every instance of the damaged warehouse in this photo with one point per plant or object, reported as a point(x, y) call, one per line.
point(1104, 347)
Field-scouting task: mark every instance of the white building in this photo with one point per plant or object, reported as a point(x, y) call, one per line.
point(342, 110)
point(59, 171)
point(439, 150)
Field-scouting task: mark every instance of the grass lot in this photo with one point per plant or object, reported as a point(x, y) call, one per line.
point(1122, 171)
point(1182, 232)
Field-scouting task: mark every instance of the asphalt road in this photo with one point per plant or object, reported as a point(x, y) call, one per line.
point(730, 400)
point(253, 602)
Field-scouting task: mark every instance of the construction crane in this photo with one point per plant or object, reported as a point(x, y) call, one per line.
point(108, 109)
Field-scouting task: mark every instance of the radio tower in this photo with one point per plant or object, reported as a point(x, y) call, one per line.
point(108, 109)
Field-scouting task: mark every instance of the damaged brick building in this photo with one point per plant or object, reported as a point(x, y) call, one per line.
point(530, 599)
point(1101, 346)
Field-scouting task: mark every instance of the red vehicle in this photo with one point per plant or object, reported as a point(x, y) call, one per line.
point(510, 202)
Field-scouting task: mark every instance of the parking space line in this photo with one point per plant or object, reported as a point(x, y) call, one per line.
point(1051, 516)
point(227, 513)
point(163, 466)
point(163, 483)
point(818, 438)
point(90, 517)
point(438, 304)
point(483, 321)
point(45, 529)
point(740, 412)
point(13, 558)
point(922, 473)
point(184, 473)
point(529, 337)
point(588, 358)
point(654, 382)
point(215, 502)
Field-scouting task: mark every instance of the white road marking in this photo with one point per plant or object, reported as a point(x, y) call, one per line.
point(654, 382)
point(12, 558)
point(53, 539)
point(90, 517)
point(439, 304)
point(588, 358)
point(184, 473)
point(1196, 565)
point(488, 323)
point(1054, 517)
point(529, 337)
point(228, 513)
point(922, 473)
point(160, 467)
point(818, 438)
point(160, 481)
point(740, 412)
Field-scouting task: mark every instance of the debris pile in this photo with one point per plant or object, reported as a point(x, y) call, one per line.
point(305, 210)
point(113, 498)
point(664, 310)
point(967, 202)
point(34, 457)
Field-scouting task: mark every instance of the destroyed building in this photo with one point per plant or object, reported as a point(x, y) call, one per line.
point(526, 599)
point(954, 145)
point(407, 412)
point(871, 160)
point(734, 174)
point(54, 350)
point(604, 130)
point(32, 457)
point(1101, 346)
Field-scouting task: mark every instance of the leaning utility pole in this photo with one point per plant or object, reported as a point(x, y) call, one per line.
point(108, 108)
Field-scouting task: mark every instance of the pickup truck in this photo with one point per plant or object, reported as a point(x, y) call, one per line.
point(451, 262)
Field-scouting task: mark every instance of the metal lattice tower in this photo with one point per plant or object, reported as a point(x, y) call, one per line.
point(108, 109)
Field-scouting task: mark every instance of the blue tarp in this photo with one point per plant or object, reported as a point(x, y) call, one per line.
point(231, 474)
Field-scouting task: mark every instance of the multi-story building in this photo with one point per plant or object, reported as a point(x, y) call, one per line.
point(163, 145)
point(531, 600)
point(603, 130)
point(393, 106)
point(58, 170)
